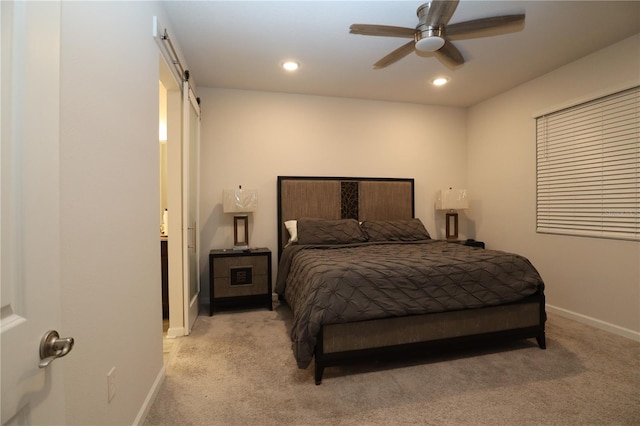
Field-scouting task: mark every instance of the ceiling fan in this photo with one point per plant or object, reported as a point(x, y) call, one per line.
point(432, 31)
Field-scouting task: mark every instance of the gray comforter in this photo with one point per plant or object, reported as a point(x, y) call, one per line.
point(355, 282)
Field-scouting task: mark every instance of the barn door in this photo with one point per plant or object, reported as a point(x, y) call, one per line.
point(191, 148)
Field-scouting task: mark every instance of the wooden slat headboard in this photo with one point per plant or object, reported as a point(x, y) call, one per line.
point(342, 198)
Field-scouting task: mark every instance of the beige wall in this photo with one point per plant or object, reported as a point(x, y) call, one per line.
point(110, 255)
point(249, 138)
point(590, 279)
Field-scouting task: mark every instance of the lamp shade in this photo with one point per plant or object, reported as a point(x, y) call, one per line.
point(452, 199)
point(239, 200)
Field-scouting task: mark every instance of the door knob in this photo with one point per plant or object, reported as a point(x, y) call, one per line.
point(52, 346)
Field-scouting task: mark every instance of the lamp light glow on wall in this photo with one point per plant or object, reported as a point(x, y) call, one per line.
point(240, 201)
point(452, 200)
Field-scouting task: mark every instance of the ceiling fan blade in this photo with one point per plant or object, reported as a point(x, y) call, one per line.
point(382, 30)
point(395, 56)
point(449, 55)
point(463, 28)
point(440, 12)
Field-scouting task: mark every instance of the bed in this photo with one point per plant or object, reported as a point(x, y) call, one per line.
point(364, 278)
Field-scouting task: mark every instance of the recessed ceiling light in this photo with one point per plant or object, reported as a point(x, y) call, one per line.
point(440, 81)
point(290, 65)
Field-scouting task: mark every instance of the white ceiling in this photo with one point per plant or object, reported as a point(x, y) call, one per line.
point(241, 44)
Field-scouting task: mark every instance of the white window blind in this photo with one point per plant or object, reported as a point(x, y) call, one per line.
point(588, 168)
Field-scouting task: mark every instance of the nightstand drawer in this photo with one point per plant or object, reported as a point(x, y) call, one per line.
point(240, 282)
point(224, 265)
point(239, 278)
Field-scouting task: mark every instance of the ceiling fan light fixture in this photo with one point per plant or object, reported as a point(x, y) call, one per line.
point(429, 44)
point(430, 33)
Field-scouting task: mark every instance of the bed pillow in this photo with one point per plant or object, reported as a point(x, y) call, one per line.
point(395, 230)
point(327, 231)
point(292, 228)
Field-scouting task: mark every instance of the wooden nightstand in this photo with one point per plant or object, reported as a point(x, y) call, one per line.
point(470, 243)
point(239, 278)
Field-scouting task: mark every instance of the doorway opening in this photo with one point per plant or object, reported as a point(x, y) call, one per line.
point(170, 207)
point(179, 175)
point(167, 343)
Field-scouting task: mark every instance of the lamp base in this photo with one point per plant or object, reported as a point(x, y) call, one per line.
point(241, 232)
point(452, 226)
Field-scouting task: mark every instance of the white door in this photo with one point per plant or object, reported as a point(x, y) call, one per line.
point(191, 144)
point(29, 211)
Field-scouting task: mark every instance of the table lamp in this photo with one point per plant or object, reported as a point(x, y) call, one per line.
point(452, 200)
point(240, 201)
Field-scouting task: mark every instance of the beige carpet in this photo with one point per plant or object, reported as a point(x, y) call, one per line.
point(237, 368)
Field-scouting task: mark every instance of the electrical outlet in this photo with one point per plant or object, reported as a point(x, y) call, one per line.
point(111, 383)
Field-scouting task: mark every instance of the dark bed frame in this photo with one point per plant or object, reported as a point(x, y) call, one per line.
point(389, 199)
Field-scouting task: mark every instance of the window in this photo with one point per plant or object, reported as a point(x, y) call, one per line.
point(588, 168)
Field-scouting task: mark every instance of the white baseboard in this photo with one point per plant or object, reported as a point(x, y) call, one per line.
point(612, 328)
point(151, 396)
point(174, 332)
